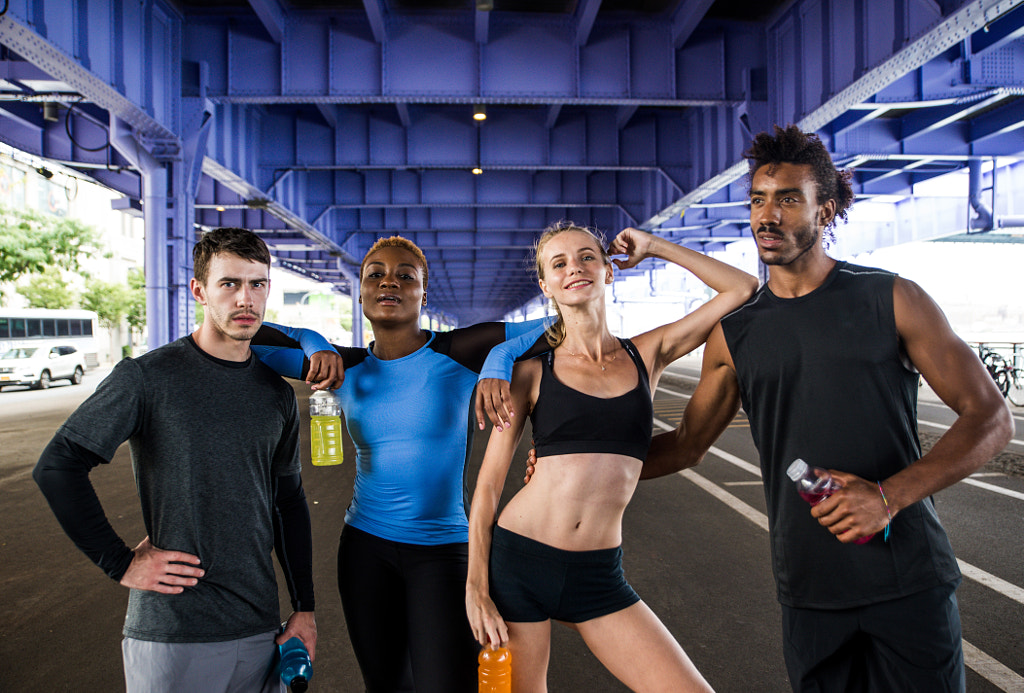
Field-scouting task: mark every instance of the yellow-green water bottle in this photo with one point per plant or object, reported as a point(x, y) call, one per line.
point(325, 428)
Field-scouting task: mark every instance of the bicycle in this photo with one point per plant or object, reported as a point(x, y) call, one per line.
point(1008, 378)
point(1014, 385)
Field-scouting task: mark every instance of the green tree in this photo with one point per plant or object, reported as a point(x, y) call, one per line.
point(110, 301)
point(136, 312)
point(47, 290)
point(31, 241)
point(345, 317)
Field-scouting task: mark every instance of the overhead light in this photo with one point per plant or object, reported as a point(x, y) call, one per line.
point(479, 112)
point(488, 5)
point(50, 113)
point(477, 170)
point(220, 209)
point(45, 172)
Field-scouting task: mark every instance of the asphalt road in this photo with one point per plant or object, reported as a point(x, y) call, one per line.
point(695, 546)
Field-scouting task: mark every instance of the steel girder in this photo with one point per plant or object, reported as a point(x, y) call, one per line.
point(370, 117)
point(71, 43)
point(326, 129)
point(887, 81)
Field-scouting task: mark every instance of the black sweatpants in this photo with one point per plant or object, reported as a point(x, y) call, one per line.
point(907, 644)
point(405, 608)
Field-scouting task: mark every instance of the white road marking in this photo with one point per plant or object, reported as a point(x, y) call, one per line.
point(982, 663)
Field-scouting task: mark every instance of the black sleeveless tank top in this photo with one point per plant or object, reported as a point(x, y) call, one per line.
point(567, 420)
point(822, 378)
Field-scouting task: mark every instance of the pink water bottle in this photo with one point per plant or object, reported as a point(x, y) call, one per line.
point(814, 485)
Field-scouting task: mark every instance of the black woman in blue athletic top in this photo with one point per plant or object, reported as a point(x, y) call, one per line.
point(554, 552)
point(403, 553)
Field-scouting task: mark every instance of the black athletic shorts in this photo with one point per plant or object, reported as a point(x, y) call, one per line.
point(532, 582)
point(912, 643)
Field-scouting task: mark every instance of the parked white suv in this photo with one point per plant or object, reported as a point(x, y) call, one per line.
point(37, 365)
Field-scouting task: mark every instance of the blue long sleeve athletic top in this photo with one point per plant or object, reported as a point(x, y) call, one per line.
point(409, 421)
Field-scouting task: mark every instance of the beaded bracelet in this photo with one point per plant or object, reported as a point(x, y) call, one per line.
point(885, 502)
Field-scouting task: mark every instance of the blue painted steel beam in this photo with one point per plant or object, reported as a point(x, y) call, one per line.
point(586, 13)
point(810, 31)
point(529, 59)
point(999, 33)
point(482, 25)
point(272, 17)
point(328, 129)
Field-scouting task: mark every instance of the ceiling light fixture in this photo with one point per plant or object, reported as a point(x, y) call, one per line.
point(477, 170)
point(45, 172)
point(479, 112)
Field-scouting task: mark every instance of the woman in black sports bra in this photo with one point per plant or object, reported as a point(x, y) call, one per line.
point(555, 550)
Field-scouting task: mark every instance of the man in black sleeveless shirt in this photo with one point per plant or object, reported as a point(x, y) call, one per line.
point(825, 360)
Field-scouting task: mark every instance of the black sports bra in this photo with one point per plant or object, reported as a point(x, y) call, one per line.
point(567, 420)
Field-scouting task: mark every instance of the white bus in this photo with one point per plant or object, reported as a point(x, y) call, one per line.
point(21, 327)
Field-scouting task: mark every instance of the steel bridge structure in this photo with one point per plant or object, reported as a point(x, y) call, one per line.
point(325, 124)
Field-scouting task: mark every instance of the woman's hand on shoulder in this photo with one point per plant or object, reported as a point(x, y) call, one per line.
point(498, 401)
point(494, 402)
point(326, 370)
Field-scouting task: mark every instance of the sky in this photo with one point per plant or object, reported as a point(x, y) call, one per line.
point(977, 285)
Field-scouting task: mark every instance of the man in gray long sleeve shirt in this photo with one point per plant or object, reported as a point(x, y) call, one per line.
point(214, 441)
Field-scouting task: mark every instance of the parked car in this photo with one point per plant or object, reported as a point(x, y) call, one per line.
point(38, 365)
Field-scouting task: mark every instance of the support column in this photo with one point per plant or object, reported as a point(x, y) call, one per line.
point(181, 313)
point(357, 308)
point(154, 208)
point(198, 121)
point(168, 214)
point(357, 321)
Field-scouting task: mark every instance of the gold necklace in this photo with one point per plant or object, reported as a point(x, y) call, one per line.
point(584, 357)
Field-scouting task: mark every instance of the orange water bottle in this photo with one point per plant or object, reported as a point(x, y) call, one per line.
point(325, 428)
point(495, 670)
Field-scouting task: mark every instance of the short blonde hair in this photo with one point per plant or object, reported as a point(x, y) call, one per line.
point(396, 242)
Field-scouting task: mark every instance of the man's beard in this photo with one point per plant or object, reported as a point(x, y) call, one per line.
point(804, 240)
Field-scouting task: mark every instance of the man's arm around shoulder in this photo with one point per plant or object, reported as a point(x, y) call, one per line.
point(713, 405)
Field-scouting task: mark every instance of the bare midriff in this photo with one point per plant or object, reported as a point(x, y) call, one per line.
point(574, 502)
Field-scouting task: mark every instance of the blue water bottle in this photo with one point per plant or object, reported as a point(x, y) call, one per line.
point(296, 669)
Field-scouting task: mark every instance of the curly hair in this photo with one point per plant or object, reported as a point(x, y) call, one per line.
point(241, 242)
point(792, 146)
point(397, 242)
point(555, 334)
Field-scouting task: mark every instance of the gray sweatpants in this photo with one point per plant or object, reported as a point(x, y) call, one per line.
point(233, 666)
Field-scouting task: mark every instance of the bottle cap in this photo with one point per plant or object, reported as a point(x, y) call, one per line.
point(796, 469)
point(324, 403)
point(299, 684)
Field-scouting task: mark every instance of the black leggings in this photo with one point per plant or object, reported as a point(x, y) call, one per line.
point(405, 608)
